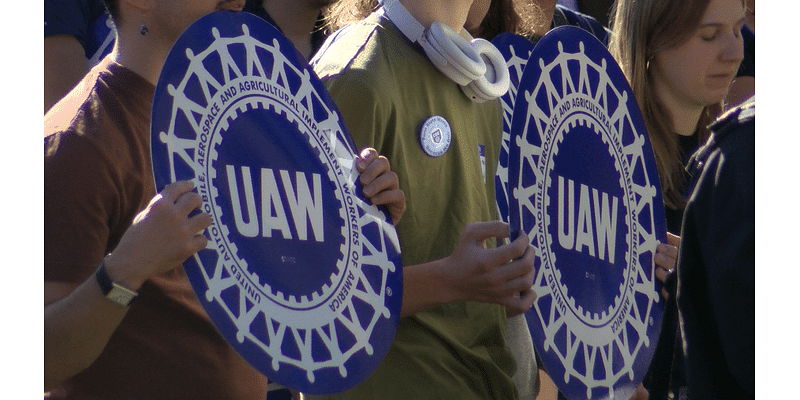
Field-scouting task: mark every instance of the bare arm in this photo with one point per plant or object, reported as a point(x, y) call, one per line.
point(502, 275)
point(79, 320)
point(65, 64)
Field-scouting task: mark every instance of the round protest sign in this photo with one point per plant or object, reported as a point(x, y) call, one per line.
point(516, 50)
point(301, 274)
point(584, 188)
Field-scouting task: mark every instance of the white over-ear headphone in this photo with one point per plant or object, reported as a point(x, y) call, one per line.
point(475, 64)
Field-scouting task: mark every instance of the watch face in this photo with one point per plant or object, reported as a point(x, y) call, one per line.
point(121, 295)
point(584, 188)
point(302, 275)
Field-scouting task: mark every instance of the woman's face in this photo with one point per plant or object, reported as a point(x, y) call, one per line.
point(699, 72)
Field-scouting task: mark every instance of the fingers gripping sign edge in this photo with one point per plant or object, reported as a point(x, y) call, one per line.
point(173, 191)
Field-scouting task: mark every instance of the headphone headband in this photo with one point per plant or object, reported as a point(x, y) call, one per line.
point(474, 64)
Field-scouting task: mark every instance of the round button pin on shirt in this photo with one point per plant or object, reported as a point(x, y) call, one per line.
point(435, 136)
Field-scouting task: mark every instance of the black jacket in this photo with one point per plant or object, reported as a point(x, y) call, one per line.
point(716, 288)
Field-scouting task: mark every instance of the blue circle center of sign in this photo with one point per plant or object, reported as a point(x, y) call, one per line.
point(283, 241)
point(590, 217)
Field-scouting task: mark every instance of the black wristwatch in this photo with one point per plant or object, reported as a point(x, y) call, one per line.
point(114, 292)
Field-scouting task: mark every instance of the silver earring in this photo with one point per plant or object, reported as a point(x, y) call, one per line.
point(143, 30)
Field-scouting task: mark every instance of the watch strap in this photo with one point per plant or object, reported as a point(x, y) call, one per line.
point(113, 291)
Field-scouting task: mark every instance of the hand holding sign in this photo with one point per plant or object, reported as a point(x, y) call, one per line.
point(380, 184)
point(667, 259)
point(162, 236)
point(492, 275)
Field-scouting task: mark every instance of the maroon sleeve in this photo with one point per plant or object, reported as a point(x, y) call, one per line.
point(78, 207)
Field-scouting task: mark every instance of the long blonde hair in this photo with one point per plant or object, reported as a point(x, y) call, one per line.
point(641, 28)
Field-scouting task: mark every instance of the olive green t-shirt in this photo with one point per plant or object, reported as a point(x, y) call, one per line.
point(386, 88)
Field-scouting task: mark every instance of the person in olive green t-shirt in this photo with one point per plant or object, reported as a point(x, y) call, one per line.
point(450, 340)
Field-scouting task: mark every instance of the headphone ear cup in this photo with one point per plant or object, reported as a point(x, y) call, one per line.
point(437, 58)
point(495, 81)
point(474, 64)
point(462, 63)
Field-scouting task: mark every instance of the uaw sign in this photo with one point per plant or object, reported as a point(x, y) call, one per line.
point(515, 50)
point(301, 274)
point(584, 188)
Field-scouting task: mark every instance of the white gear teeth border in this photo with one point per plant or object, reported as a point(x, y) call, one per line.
point(642, 196)
point(372, 255)
point(516, 63)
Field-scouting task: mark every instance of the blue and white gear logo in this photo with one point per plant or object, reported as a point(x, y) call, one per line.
point(516, 50)
point(301, 275)
point(586, 192)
